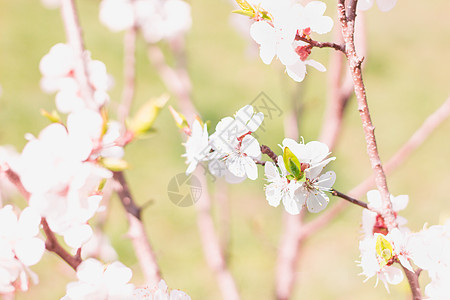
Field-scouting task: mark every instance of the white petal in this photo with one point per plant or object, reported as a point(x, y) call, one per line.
point(273, 195)
point(117, 274)
point(286, 53)
point(29, 221)
point(393, 275)
point(315, 64)
point(316, 201)
point(29, 251)
point(297, 71)
point(292, 206)
point(90, 270)
point(76, 236)
point(271, 171)
point(250, 168)
point(326, 180)
point(250, 146)
point(316, 8)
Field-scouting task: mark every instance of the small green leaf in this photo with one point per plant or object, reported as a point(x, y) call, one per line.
point(53, 116)
point(290, 177)
point(291, 163)
point(143, 121)
point(244, 5)
point(114, 164)
point(249, 14)
point(384, 250)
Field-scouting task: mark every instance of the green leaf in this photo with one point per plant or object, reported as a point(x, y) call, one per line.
point(114, 164)
point(245, 5)
point(143, 121)
point(384, 250)
point(291, 163)
point(53, 116)
point(249, 14)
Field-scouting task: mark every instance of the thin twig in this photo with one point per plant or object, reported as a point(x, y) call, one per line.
point(75, 40)
point(266, 150)
point(338, 47)
point(137, 233)
point(129, 74)
point(349, 199)
point(52, 245)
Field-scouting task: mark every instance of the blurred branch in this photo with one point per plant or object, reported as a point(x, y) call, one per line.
point(75, 40)
point(178, 82)
point(52, 245)
point(129, 74)
point(266, 150)
point(136, 232)
point(291, 236)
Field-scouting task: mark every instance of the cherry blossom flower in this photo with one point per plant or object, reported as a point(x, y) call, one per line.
point(276, 36)
point(383, 5)
point(372, 222)
point(281, 189)
point(160, 292)
point(234, 144)
point(19, 248)
point(379, 261)
point(307, 187)
point(96, 281)
point(62, 183)
point(157, 19)
point(197, 146)
point(58, 70)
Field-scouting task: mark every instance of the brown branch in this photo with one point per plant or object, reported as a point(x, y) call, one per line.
point(348, 29)
point(129, 74)
point(413, 280)
point(266, 150)
point(75, 40)
point(136, 232)
point(349, 199)
point(52, 245)
point(338, 47)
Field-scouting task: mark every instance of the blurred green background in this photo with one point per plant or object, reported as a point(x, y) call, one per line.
point(407, 77)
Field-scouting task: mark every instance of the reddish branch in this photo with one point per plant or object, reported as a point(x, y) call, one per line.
point(349, 199)
point(266, 150)
point(347, 20)
point(52, 245)
point(136, 232)
point(413, 280)
point(338, 47)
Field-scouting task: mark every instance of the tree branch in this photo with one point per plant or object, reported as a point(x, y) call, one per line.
point(413, 280)
point(348, 29)
point(349, 199)
point(75, 40)
point(52, 245)
point(266, 150)
point(338, 47)
point(136, 232)
point(129, 74)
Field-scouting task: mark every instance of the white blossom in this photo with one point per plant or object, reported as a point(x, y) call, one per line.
point(96, 281)
point(197, 146)
point(159, 292)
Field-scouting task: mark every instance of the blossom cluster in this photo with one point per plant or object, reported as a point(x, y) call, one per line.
point(231, 150)
point(157, 19)
point(18, 235)
point(277, 26)
point(159, 292)
point(299, 181)
point(58, 75)
point(381, 248)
